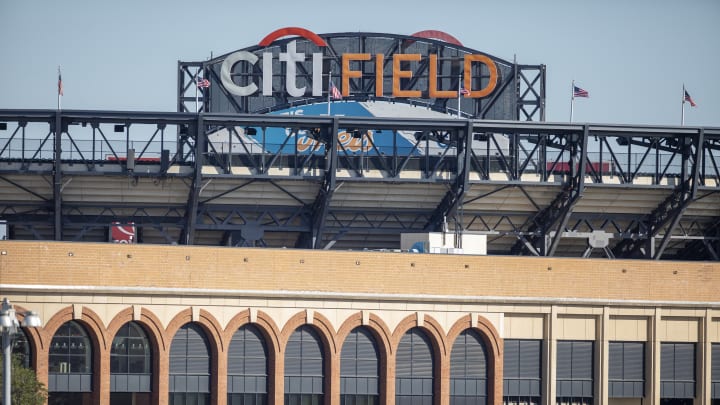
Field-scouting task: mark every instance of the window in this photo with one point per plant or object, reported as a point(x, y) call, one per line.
point(414, 369)
point(20, 347)
point(130, 365)
point(574, 372)
point(359, 369)
point(70, 365)
point(189, 367)
point(522, 360)
point(247, 368)
point(304, 368)
point(468, 370)
point(677, 370)
point(626, 372)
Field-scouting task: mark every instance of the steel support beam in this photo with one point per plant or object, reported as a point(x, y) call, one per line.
point(689, 192)
point(57, 177)
point(709, 244)
point(453, 198)
point(547, 226)
point(188, 234)
point(670, 210)
point(321, 205)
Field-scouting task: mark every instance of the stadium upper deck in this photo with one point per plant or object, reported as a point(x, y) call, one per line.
point(208, 179)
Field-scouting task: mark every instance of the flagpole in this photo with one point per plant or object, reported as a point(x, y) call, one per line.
point(329, 90)
point(59, 88)
point(458, 93)
point(572, 99)
point(682, 107)
point(197, 107)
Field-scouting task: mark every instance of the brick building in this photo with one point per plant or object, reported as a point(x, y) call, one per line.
point(141, 324)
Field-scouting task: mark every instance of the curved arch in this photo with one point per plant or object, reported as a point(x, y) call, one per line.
point(207, 322)
point(383, 338)
point(487, 331)
point(34, 335)
point(324, 324)
point(212, 329)
point(288, 31)
point(148, 322)
point(329, 356)
point(96, 332)
point(430, 325)
point(376, 326)
point(89, 319)
point(440, 35)
point(493, 344)
point(264, 323)
point(320, 324)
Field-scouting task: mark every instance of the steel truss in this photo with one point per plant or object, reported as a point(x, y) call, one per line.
point(520, 94)
point(534, 188)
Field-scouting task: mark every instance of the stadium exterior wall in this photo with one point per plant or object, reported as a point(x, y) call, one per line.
point(104, 286)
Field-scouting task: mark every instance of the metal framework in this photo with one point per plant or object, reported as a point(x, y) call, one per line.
point(534, 188)
point(520, 93)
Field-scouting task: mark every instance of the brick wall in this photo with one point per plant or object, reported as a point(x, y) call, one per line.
point(161, 266)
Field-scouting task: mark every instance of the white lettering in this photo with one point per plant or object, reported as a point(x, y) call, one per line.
point(226, 69)
point(267, 74)
point(290, 58)
point(317, 74)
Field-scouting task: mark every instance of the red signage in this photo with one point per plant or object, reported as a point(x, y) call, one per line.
point(122, 233)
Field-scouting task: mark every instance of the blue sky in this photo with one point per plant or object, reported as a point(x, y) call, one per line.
point(632, 56)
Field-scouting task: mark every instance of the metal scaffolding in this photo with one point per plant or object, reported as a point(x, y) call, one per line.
point(534, 188)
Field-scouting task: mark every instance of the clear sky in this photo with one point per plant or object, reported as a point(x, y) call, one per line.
point(633, 56)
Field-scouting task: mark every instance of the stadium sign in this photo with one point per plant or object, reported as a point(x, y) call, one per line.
point(291, 60)
point(294, 67)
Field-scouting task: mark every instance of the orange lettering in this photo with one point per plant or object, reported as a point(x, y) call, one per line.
point(347, 74)
point(492, 82)
point(433, 91)
point(379, 77)
point(304, 143)
point(406, 74)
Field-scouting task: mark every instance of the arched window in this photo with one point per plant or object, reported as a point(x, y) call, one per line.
point(414, 369)
point(468, 370)
point(70, 365)
point(359, 369)
point(304, 368)
point(189, 367)
point(21, 347)
point(130, 366)
point(247, 368)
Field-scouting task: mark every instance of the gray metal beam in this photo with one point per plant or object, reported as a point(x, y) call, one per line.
point(453, 198)
point(557, 214)
point(57, 177)
point(699, 141)
point(321, 204)
point(188, 235)
point(577, 186)
point(670, 210)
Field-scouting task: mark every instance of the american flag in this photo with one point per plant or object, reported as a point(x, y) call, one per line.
point(203, 83)
point(464, 91)
point(689, 99)
point(578, 92)
point(60, 86)
point(334, 92)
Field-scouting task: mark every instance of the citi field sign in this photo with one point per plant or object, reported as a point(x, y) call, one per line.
point(405, 70)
